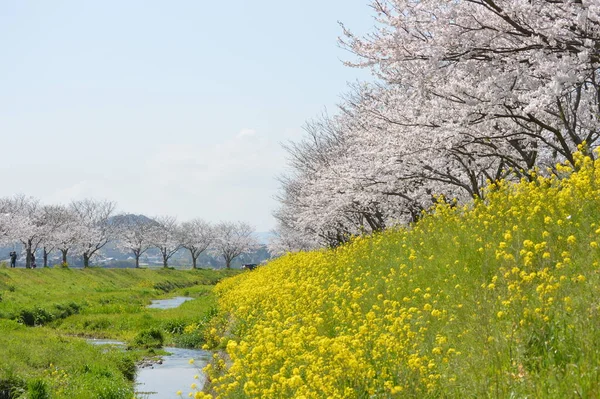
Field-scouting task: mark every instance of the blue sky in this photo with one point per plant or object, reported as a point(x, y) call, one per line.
point(172, 107)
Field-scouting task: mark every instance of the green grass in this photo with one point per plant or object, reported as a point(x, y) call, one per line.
point(45, 313)
point(69, 367)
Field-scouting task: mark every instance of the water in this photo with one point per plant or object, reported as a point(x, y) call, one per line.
point(162, 381)
point(111, 342)
point(169, 303)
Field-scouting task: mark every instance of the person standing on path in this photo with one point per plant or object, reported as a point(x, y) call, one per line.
point(13, 259)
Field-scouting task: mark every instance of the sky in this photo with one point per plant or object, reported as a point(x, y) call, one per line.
point(166, 107)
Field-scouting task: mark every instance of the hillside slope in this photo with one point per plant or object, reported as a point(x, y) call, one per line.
point(496, 299)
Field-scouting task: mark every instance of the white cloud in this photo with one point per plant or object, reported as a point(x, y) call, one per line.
point(246, 132)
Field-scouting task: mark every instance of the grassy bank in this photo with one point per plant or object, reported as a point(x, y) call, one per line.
point(42, 311)
point(496, 299)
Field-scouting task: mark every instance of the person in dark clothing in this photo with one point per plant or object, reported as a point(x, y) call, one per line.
point(13, 259)
point(33, 265)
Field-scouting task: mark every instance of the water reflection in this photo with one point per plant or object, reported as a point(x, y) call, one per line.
point(169, 303)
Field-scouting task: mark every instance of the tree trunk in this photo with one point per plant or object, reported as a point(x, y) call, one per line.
point(137, 261)
point(45, 257)
point(165, 260)
point(194, 259)
point(228, 263)
point(64, 255)
point(28, 256)
point(86, 260)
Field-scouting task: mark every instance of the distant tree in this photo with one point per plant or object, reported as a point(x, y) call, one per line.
point(4, 226)
point(197, 235)
point(24, 223)
point(56, 220)
point(135, 234)
point(233, 239)
point(166, 236)
point(93, 216)
point(67, 235)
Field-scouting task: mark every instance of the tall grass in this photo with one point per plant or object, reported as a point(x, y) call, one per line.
point(499, 298)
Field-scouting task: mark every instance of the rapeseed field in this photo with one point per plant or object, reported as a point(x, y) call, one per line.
point(498, 298)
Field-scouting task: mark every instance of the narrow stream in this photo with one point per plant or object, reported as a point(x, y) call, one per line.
point(99, 341)
point(162, 381)
point(168, 303)
point(175, 373)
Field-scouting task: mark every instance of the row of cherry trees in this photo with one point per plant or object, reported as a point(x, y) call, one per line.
point(85, 227)
point(464, 92)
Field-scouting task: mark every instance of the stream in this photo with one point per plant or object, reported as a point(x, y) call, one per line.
point(162, 381)
point(175, 373)
point(168, 303)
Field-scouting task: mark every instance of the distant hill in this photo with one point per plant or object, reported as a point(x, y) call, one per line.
point(130, 218)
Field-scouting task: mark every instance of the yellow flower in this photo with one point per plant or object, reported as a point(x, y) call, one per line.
point(396, 389)
point(310, 322)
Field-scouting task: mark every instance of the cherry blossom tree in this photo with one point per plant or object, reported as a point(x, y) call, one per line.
point(232, 239)
point(285, 239)
point(508, 79)
point(134, 233)
point(166, 236)
point(57, 221)
point(7, 220)
point(25, 224)
point(466, 92)
point(93, 216)
point(67, 236)
point(197, 235)
point(306, 197)
point(348, 178)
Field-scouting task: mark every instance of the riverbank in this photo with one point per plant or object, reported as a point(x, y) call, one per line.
point(497, 298)
point(44, 311)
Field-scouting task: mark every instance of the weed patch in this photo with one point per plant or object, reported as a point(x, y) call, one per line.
point(151, 338)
